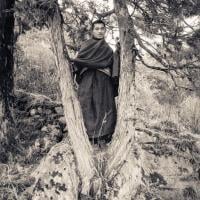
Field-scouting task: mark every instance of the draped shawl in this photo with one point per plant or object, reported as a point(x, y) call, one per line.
point(97, 54)
point(94, 54)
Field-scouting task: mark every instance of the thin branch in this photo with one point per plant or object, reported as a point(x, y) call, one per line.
point(149, 44)
point(105, 14)
point(155, 56)
point(150, 66)
point(187, 24)
point(144, 13)
point(167, 66)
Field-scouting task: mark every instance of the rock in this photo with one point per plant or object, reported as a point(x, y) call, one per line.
point(48, 111)
point(37, 144)
point(33, 112)
point(56, 177)
point(39, 110)
point(47, 143)
point(44, 129)
point(59, 110)
point(62, 120)
point(37, 116)
point(55, 132)
point(52, 127)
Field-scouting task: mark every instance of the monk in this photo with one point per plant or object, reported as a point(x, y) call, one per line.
point(97, 75)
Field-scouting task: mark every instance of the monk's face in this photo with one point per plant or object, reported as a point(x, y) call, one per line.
point(99, 31)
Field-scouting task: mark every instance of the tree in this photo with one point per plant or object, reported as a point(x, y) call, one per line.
point(6, 60)
point(168, 22)
point(91, 177)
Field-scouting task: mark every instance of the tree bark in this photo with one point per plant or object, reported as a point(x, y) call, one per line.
point(76, 129)
point(6, 61)
point(124, 130)
point(122, 163)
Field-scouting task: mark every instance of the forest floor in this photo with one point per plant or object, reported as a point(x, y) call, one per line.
point(39, 125)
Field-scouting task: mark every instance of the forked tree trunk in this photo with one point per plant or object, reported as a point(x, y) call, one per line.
point(6, 61)
point(121, 164)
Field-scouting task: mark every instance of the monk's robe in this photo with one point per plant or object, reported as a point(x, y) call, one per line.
point(97, 71)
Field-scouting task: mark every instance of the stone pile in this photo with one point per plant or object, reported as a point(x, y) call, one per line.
point(40, 124)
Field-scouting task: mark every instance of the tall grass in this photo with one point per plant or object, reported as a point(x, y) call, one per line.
point(166, 105)
point(190, 114)
point(35, 69)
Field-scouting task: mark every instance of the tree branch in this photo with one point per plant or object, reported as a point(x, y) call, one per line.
point(156, 57)
point(105, 14)
point(150, 66)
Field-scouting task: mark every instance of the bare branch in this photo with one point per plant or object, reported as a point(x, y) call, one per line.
point(158, 58)
point(105, 14)
point(155, 56)
point(150, 66)
point(191, 27)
